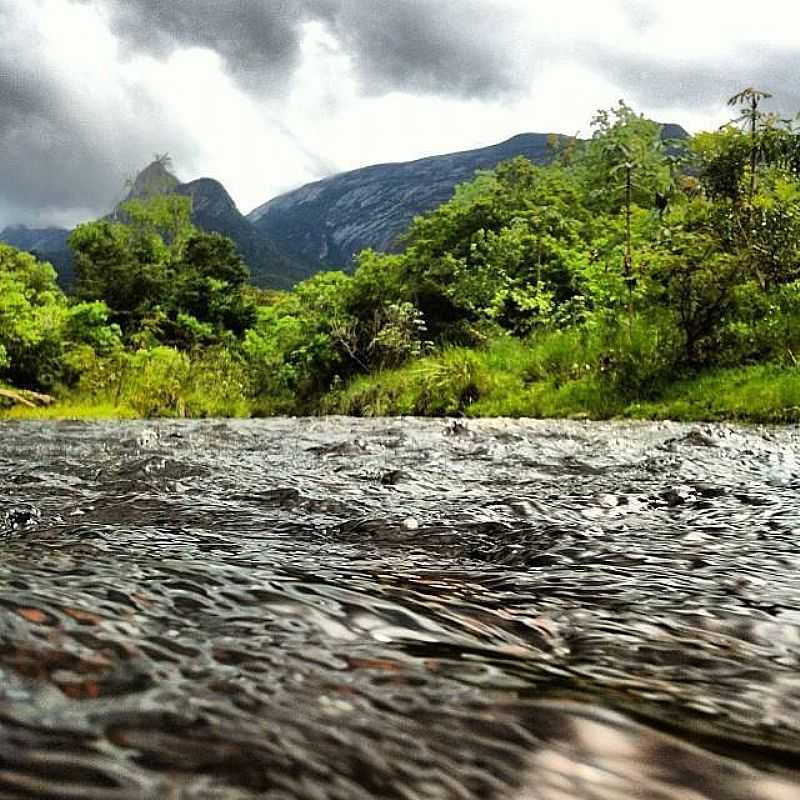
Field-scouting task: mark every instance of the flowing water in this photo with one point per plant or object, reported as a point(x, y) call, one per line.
point(399, 609)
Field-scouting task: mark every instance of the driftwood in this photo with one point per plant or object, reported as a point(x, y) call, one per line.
point(24, 397)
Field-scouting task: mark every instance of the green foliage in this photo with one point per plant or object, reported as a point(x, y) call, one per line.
point(32, 315)
point(693, 276)
point(720, 159)
point(162, 215)
point(587, 287)
point(774, 240)
point(399, 328)
point(443, 385)
point(164, 281)
point(303, 340)
point(640, 355)
point(87, 324)
point(155, 382)
point(128, 272)
point(164, 382)
point(765, 393)
point(623, 144)
point(507, 249)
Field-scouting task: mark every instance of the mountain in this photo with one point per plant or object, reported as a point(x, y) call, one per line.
point(48, 244)
point(213, 210)
point(154, 179)
point(328, 221)
point(320, 225)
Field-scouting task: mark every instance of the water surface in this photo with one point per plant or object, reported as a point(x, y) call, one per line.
point(399, 609)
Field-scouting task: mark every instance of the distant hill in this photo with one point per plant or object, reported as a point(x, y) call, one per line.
point(322, 224)
point(213, 210)
point(328, 221)
point(48, 244)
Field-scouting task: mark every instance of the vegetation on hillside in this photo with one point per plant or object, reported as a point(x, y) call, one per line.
point(630, 276)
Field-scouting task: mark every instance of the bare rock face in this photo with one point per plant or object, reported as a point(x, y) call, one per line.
point(325, 223)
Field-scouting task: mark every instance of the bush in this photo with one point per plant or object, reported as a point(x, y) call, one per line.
point(218, 385)
point(156, 382)
point(562, 356)
point(640, 356)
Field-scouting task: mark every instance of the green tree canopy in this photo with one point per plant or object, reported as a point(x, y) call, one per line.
point(32, 314)
point(163, 279)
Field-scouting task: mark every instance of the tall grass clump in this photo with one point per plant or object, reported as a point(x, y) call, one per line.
point(635, 357)
point(445, 384)
point(765, 393)
point(164, 382)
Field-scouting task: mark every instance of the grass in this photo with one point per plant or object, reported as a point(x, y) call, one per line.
point(158, 383)
point(554, 378)
point(507, 378)
point(70, 409)
point(765, 393)
point(192, 405)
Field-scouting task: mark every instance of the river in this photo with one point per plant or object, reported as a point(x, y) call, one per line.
point(339, 608)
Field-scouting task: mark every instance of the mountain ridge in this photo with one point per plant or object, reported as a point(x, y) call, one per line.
point(327, 221)
point(323, 224)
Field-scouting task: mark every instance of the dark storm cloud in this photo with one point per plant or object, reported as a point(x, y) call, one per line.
point(39, 141)
point(258, 39)
point(446, 47)
point(55, 157)
point(38, 149)
point(52, 162)
point(450, 47)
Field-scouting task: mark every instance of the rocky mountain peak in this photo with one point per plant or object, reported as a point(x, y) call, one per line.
point(208, 195)
point(154, 179)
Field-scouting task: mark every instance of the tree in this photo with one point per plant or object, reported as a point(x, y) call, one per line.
point(128, 271)
point(752, 173)
point(162, 279)
point(694, 277)
point(209, 281)
point(304, 339)
point(751, 116)
point(625, 162)
point(32, 314)
point(625, 165)
point(505, 250)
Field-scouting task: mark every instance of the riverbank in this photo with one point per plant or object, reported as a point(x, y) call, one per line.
point(508, 378)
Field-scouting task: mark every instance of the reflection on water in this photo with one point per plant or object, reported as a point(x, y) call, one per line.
point(399, 609)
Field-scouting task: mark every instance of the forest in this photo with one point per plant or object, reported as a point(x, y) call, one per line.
point(631, 276)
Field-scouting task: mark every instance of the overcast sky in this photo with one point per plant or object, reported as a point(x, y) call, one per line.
point(266, 95)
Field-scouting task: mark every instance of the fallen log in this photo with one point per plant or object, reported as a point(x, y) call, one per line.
point(27, 398)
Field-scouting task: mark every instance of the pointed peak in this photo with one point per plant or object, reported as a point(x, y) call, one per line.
point(154, 179)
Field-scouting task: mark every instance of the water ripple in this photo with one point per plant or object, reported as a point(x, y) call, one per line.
point(399, 609)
